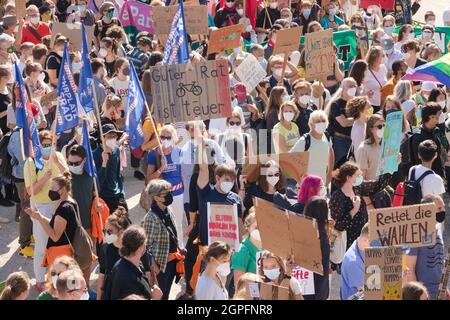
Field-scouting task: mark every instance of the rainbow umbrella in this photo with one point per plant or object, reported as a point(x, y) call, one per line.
point(435, 71)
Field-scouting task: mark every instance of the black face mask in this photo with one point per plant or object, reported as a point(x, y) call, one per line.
point(54, 195)
point(168, 199)
point(126, 71)
point(440, 216)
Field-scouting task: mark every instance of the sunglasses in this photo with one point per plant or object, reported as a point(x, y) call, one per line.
point(232, 123)
point(230, 0)
point(274, 175)
point(380, 126)
point(165, 138)
point(74, 163)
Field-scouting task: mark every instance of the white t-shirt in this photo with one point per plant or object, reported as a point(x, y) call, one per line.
point(370, 83)
point(208, 289)
point(295, 286)
point(431, 184)
point(358, 134)
point(120, 88)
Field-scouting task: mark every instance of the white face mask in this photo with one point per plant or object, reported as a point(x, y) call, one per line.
point(358, 181)
point(54, 281)
point(351, 92)
point(442, 117)
point(224, 269)
point(84, 296)
point(288, 116)
point(235, 128)
point(76, 169)
point(167, 143)
point(255, 235)
point(410, 36)
point(60, 53)
point(110, 238)
point(111, 143)
point(380, 133)
point(272, 274)
point(304, 99)
point(273, 5)
point(102, 52)
point(323, 192)
point(226, 186)
point(41, 76)
point(237, 50)
point(389, 51)
point(442, 104)
point(240, 12)
point(272, 180)
point(320, 127)
point(249, 28)
point(389, 30)
point(229, 4)
point(332, 11)
point(431, 22)
point(35, 20)
point(277, 72)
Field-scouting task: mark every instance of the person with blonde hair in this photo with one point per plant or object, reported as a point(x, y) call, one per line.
point(286, 133)
point(375, 76)
point(17, 287)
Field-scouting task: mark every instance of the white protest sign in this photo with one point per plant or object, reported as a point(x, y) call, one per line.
point(250, 72)
point(306, 279)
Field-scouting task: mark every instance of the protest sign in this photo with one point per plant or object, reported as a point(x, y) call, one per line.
point(383, 273)
point(286, 235)
point(306, 279)
point(191, 92)
point(223, 224)
point(319, 54)
point(225, 38)
point(383, 4)
point(136, 17)
point(265, 291)
point(72, 31)
point(21, 10)
point(196, 18)
point(288, 40)
point(408, 225)
point(292, 164)
point(362, 37)
point(250, 72)
point(390, 145)
point(441, 36)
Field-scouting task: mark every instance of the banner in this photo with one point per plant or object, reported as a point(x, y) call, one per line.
point(136, 17)
point(288, 40)
point(383, 4)
point(390, 145)
point(306, 279)
point(191, 92)
point(441, 36)
point(319, 54)
point(265, 291)
point(414, 226)
point(285, 234)
point(383, 273)
point(225, 38)
point(196, 18)
point(223, 224)
point(73, 32)
point(250, 72)
point(85, 87)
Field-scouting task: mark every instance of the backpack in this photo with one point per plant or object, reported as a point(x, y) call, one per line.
point(5, 158)
point(408, 159)
point(307, 137)
point(413, 189)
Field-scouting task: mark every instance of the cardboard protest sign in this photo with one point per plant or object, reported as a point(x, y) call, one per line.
point(265, 291)
point(72, 31)
point(383, 273)
point(196, 18)
point(288, 40)
point(21, 10)
point(292, 164)
point(191, 92)
point(225, 38)
point(287, 234)
point(319, 54)
point(390, 144)
point(408, 225)
point(362, 37)
point(250, 72)
point(223, 224)
point(383, 4)
point(306, 279)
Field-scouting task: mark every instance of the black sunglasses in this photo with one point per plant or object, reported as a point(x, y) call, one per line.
point(274, 175)
point(165, 138)
point(74, 163)
point(232, 123)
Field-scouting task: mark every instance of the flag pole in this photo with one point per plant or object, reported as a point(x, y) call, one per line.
point(97, 113)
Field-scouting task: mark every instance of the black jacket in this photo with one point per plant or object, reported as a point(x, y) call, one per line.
point(426, 134)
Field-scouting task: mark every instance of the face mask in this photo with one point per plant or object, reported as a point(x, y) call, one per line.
point(272, 274)
point(277, 72)
point(389, 30)
point(442, 117)
point(76, 66)
point(410, 36)
point(226, 186)
point(46, 151)
point(306, 13)
point(273, 5)
point(109, 15)
point(357, 24)
point(351, 92)
point(60, 53)
point(320, 127)
point(35, 20)
point(84, 296)
point(431, 22)
point(237, 50)
point(240, 12)
point(272, 180)
point(82, 7)
point(54, 281)
point(53, 10)
point(16, 29)
point(323, 192)
point(304, 99)
point(54, 195)
point(235, 128)
point(110, 238)
point(332, 11)
point(426, 35)
point(389, 51)
point(380, 133)
point(442, 104)
point(168, 199)
point(41, 76)
point(440, 216)
point(229, 4)
point(111, 143)
point(288, 116)
point(126, 71)
point(102, 52)
point(358, 181)
point(167, 143)
point(249, 28)
point(255, 235)
point(76, 169)
point(224, 269)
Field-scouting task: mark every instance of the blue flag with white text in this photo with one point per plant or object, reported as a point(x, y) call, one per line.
point(133, 112)
point(89, 165)
point(177, 50)
point(85, 88)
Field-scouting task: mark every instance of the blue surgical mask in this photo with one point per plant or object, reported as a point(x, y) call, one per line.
point(358, 181)
point(109, 15)
point(306, 13)
point(82, 7)
point(389, 30)
point(46, 151)
point(76, 66)
point(332, 11)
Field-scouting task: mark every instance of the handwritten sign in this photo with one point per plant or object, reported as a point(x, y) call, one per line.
point(288, 40)
point(265, 291)
point(196, 18)
point(225, 38)
point(408, 225)
point(286, 234)
point(319, 54)
point(362, 37)
point(223, 224)
point(383, 273)
point(191, 92)
point(250, 72)
point(390, 145)
point(21, 10)
point(306, 279)
point(72, 31)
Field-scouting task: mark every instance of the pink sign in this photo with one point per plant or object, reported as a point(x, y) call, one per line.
point(138, 15)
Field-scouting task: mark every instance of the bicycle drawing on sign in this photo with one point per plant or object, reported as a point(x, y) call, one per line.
point(193, 87)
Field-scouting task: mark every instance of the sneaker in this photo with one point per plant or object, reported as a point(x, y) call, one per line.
point(4, 220)
point(139, 175)
point(27, 251)
point(6, 203)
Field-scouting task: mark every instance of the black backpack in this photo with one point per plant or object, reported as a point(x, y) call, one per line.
point(307, 137)
point(5, 159)
point(413, 190)
point(408, 159)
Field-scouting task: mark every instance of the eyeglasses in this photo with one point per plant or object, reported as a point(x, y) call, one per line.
point(77, 163)
point(274, 175)
point(380, 126)
point(165, 138)
point(232, 123)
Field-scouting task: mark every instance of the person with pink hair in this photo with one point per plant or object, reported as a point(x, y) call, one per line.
point(310, 186)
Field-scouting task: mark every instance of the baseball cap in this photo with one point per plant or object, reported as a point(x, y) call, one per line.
point(428, 86)
point(241, 92)
point(106, 6)
point(407, 106)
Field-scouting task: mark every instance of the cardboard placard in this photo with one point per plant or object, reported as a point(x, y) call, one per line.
point(319, 54)
point(306, 279)
point(265, 291)
point(383, 273)
point(288, 40)
point(225, 38)
point(223, 224)
point(414, 226)
point(292, 164)
point(21, 10)
point(250, 72)
point(72, 31)
point(196, 18)
point(184, 92)
point(286, 234)
point(362, 37)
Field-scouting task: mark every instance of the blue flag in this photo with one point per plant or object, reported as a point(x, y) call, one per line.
point(89, 165)
point(177, 50)
point(31, 144)
point(68, 105)
point(85, 88)
point(134, 110)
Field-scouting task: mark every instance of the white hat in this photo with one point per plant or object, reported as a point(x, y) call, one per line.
point(428, 86)
point(407, 106)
